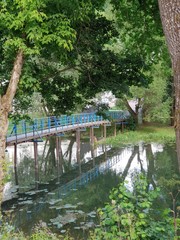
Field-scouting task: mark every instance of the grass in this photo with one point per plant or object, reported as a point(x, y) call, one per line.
point(144, 133)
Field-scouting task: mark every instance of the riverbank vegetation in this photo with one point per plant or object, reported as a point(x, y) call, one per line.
point(145, 133)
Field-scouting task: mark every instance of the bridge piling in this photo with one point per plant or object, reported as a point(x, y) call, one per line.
point(92, 136)
point(36, 163)
point(59, 156)
point(105, 132)
point(115, 130)
point(102, 134)
point(78, 141)
point(15, 163)
point(122, 126)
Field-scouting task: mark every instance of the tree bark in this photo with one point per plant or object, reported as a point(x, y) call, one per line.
point(177, 108)
point(170, 17)
point(132, 112)
point(5, 107)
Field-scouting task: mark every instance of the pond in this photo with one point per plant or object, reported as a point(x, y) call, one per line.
point(66, 197)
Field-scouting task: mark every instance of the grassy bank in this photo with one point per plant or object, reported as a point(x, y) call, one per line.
point(147, 134)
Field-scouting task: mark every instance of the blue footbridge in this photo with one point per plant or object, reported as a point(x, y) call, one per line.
point(39, 128)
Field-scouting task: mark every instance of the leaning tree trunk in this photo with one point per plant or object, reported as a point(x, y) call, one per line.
point(170, 17)
point(5, 108)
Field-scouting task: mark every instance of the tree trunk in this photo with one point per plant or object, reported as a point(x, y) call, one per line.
point(170, 17)
point(3, 131)
point(132, 112)
point(176, 71)
point(5, 108)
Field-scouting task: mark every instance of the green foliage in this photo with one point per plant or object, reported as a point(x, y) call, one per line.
point(8, 232)
point(68, 39)
point(131, 124)
point(156, 98)
point(28, 25)
point(89, 67)
point(130, 214)
point(147, 134)
point(140, 27)
point(46, 234)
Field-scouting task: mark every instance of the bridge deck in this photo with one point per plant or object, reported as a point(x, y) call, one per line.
point(38, 128)
point(25, 137)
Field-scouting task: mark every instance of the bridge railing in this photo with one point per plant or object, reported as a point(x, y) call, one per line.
point(41, 125)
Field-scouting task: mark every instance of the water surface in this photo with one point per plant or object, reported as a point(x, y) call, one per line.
point(67, 194)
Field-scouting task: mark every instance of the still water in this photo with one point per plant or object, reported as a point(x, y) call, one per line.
point(67, 194)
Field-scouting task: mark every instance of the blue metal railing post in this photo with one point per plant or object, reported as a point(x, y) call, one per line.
point(56, 124)
point(33, 128)
point(42, 124)
point(15, 131)
point(49, 124)
point(25, 129)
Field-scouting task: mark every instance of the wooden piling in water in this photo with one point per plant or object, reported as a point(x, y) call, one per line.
point(92, 136)
point(15, 163)
point(115, 130)
point(59, 157)
point(104, 131)
point(36, 163)
point(78, 142)
point(122, 127)
point(78, 145)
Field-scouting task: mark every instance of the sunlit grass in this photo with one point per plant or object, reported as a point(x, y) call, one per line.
point(146, 134)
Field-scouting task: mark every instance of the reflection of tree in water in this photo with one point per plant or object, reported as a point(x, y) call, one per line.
point(167, 173)
point(150, 158)
point(26, 172)
point(128, 165)
point(159, 165)
point(49, 161)
point(67, 156)
point(46, 165)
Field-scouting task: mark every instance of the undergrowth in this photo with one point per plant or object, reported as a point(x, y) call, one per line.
point(146, 134)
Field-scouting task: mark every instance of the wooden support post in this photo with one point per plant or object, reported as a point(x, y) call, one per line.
point(59, 157)
point(104, 131)
point(92, 141)
point(15, 163)
point(115, 131)
point(57, 151)
point(78, 141)
point(105, 153)
point(122, 126)
point(92, 136)
point(101, 131)
point(36, 163)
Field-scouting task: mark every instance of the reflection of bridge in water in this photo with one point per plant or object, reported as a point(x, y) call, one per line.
point(83, 174)
point(38, 129)
point(44, 199)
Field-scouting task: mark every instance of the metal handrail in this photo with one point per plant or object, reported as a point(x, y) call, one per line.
point(48, 123)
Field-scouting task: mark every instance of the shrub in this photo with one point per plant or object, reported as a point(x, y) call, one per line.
point(130, 215)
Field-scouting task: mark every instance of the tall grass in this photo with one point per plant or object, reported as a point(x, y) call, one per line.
point(146, 134)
